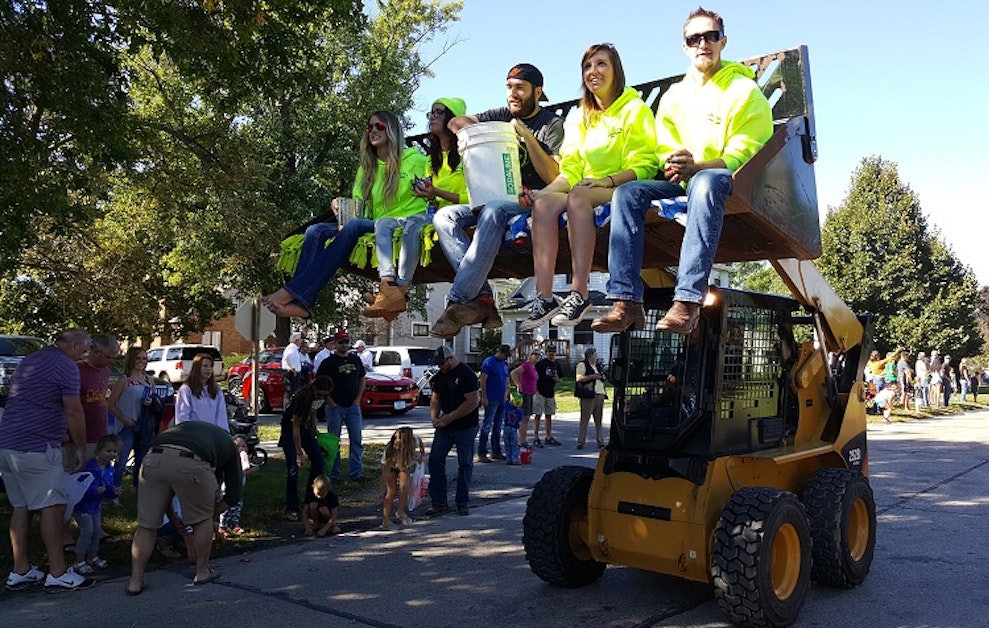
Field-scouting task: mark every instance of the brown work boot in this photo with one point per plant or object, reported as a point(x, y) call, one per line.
point(682, 318)
point(445, 326)
point(624, 315)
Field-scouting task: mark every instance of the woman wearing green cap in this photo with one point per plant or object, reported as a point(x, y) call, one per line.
point(444, 184)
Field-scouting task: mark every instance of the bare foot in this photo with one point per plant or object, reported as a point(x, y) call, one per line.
point(387, 525)
point(406, 520)
point(291, 309)
point(278, 297)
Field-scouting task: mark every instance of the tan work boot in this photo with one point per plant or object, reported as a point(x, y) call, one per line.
point(457, 315)
point(624, 315)
point(682, 318)
point(390, 299)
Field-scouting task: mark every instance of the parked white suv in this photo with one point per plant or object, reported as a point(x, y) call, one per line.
point(409, 362)
point(172, 363)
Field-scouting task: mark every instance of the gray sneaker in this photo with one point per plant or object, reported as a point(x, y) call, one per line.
point(19, 582)
point(69, 581)
point(572, 310)
point(540, 310)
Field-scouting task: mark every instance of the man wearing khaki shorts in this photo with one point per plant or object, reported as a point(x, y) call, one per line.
point(188, 461)
point(42, 406)
point(544, 403)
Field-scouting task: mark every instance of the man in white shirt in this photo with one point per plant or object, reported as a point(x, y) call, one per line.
point(329, 344)
point(365, 354)
point(292, 366)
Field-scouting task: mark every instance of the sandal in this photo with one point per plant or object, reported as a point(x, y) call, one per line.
point(212, 577)
point(406, 520)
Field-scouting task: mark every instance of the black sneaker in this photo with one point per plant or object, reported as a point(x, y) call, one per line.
point(572, 310)
point(540, 310)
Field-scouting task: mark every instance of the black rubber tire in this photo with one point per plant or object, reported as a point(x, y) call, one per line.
point(265, 407)
point(554, 514)
point(259, 456)
point(842, 512)
point(235, 386)
point(762, 557)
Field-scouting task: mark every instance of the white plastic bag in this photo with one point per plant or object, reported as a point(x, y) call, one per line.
point(418, 487)
point(75, 485)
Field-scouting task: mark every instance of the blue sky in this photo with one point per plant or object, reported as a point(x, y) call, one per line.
point(897, 79)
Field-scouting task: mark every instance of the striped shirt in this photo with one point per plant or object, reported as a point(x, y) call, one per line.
point(34, 417)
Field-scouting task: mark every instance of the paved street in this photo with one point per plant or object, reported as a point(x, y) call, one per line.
point(930, 480)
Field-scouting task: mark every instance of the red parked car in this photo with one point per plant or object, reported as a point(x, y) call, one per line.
point(382, 393)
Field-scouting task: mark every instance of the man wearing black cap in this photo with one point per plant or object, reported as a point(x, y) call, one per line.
point(344, 405)
point(453, 410)
point(541, 133)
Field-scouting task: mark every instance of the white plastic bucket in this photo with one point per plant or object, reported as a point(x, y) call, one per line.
point(490, 151)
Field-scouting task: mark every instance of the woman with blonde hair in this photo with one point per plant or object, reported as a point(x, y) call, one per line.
point(610, 139)
point(384, 182)
point(200, 398)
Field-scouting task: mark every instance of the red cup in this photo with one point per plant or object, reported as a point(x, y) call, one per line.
point(526, 456)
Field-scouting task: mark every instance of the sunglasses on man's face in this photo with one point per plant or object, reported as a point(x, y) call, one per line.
point(343, 342)
point(710, 37)
point(380, 126)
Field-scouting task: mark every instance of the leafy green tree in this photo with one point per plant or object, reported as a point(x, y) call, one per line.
point(63, 116)
point(236, 123)
point(881, 257)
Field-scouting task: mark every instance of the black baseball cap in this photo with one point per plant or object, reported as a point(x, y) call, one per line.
point(528, 72)
point(443, 353)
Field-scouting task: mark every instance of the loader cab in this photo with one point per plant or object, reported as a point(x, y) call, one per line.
point(681, 401)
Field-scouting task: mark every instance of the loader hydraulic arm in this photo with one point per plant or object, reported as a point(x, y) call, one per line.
point(841, 328)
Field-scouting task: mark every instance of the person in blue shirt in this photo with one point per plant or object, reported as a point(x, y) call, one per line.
point(494, 394)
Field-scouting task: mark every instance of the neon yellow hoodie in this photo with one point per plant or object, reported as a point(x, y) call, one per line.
point(622, 137)
point(451, 181)
point(727, 117)
point(404, 204)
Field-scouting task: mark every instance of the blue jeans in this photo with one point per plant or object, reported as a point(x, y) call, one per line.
point(316, 465)
point(473, 258)
point(494, 416)
point(408, 256)
point(511, 437)
point(336, 418)
point(443, 441)
point(126, 436)
point(318, 262)
point(706, 195)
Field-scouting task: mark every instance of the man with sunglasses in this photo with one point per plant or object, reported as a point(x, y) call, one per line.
point(344, 405)
point(707, 126)
point(541, 133)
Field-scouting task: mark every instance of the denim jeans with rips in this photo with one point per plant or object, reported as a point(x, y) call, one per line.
point(473, 258)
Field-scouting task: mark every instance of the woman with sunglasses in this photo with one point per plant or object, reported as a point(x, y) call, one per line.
point(384, 182)
point(298, 440)
point(443, 185)
point(610, 139)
